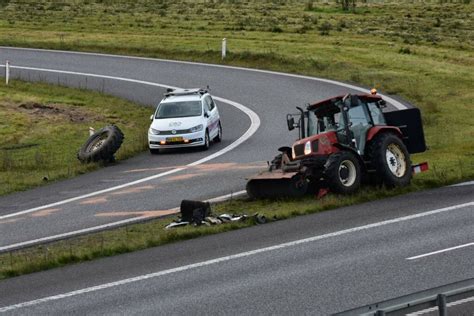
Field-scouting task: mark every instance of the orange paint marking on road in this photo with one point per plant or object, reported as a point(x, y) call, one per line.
point(46, 212)
point(144, 214)
point(134, 190)
point(230, 166)
point(97, 200)
point(184, 176)
point(12, 220)
point(152, 169)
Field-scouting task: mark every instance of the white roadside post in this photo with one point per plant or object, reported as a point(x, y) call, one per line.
point(7, 72)
point(224, 47)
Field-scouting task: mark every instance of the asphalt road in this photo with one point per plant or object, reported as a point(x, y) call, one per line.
point(348, 265)
point(271, 96)
point(316, 264)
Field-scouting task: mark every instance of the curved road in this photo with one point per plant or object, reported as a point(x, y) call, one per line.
point(315, 264)
point(266, 97)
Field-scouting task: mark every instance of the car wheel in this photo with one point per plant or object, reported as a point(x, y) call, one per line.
point(218, 137)
point(206, 141)
point(154, 151)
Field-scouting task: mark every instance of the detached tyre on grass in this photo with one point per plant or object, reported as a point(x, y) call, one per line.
point(342, 172)
point(390, 157)
point(102, 145)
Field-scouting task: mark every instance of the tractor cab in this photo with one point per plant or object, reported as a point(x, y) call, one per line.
point(343, 120)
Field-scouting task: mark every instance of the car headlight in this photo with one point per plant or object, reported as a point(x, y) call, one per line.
point(154, 131)
point(196, 128)
point(307, 148)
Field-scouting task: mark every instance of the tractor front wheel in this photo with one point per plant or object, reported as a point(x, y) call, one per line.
point(343, 173)
point(391, 160)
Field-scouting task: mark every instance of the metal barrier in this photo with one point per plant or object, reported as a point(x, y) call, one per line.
point(439, 297)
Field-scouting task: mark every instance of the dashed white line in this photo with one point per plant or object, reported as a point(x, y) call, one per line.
point(441, 251)
point(254, 125)
point(231, 257)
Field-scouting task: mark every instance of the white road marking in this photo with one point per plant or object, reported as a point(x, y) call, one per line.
point(434, 309)
point(462, 184)
point(231, 257)
point(440, 251)
point(390, 100)
point(103, 227)
point(254, 125)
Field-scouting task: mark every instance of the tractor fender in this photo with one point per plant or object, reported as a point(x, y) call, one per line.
point(383, 129)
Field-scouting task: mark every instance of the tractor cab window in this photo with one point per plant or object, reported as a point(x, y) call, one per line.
point(357, 115)
point(325, 120)
point(376, 114)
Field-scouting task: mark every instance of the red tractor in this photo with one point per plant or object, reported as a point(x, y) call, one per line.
point(343, 142)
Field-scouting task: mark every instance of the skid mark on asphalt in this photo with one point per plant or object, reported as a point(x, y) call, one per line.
point(133, 190)
point(46, 212)
point(156, 213)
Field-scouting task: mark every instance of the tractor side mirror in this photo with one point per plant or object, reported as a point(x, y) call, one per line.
point(290, 120)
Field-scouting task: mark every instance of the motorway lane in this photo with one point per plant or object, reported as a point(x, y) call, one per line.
point(270, 95)
point(351, 266)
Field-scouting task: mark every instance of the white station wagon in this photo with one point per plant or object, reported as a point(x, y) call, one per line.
point(184, 118)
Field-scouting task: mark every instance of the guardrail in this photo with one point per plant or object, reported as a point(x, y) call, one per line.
point(439, 298)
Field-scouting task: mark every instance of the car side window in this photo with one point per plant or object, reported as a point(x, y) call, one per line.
point(212, 105)
point(206, 105)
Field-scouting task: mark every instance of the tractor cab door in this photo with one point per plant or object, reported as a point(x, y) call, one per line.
point(359, 123)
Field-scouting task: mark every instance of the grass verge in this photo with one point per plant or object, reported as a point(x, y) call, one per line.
point(43, 126)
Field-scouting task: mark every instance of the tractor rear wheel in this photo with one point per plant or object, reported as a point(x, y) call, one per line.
point(391, 160)
point(342, 172)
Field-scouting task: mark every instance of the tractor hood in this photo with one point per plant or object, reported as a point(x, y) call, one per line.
point(321, 144)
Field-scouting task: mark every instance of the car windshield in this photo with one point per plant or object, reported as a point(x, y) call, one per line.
point(178, 109)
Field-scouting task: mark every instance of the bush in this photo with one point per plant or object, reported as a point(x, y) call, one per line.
point(325, 28)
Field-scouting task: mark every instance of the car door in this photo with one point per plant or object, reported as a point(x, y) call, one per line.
point(213, 119)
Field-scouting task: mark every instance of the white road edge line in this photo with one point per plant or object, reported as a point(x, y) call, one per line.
point(433, 309)
point(440, 251)
point(254, 125)
point(105, 226)
point(390, 100)
point(228, 258)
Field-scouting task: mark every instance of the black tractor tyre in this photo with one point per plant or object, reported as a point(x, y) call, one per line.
point(154, 151)
point(391, 160)
point(207, 141)
point(342, 172)
point(218, 137)
point(102, 145)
